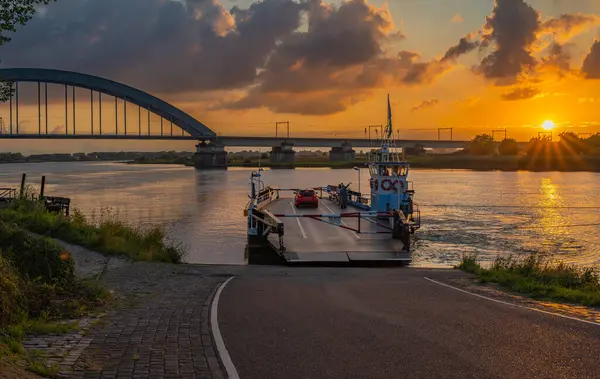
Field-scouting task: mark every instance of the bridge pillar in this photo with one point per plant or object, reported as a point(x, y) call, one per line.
point(283, 153)
point(210, 156)
point(343, 153)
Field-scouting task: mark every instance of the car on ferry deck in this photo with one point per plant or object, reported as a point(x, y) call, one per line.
point(306, 198)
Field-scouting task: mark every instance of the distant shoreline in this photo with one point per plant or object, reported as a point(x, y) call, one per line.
point(441, 162)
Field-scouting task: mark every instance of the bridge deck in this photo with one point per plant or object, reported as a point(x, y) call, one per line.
point(309, 240)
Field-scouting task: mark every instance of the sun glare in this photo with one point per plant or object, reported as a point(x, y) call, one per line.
point(548, 125)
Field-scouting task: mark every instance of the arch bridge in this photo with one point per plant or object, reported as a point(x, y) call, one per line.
point(190, 128)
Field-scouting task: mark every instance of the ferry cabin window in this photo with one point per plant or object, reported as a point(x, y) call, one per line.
point(385, 171)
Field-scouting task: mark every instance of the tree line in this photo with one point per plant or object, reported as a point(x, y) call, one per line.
point(569, 144)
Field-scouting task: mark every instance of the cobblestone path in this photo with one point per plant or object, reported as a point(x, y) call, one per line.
point(157, 327)
point(161, 329)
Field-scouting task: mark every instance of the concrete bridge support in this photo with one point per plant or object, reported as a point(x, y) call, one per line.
point(344, 153)
point(283, 153)
point(210, 156)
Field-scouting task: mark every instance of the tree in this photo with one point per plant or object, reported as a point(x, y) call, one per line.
point(570, 144)
point(539, 146)
point(482, 144)
point(13, 13)
point(508, 146)
point(593, 144)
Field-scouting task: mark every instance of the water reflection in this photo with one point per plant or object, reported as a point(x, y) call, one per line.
point(550, 216)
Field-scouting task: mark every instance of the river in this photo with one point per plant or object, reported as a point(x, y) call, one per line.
point(490, 213)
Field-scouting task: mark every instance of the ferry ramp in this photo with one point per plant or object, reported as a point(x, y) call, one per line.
point(308, 240)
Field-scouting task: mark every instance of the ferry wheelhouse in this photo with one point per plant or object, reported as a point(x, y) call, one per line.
point(391, 191)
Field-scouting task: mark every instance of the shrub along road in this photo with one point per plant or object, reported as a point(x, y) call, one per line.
point(389, 323)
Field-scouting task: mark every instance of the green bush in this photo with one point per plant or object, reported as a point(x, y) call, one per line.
point(39, 259)
point(12, 297)
point(539, 278)
point(108, 236)
point(468, 263)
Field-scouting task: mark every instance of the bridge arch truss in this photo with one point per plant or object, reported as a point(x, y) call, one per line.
point(195, 129)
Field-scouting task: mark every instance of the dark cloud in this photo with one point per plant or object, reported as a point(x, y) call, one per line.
point(521, 94)
point(298, 56)
point(566, 26)
point(591, 64)
point(425, 105)
point(558, 59)
point(335, 62)
point(513, 28)
point(157, 45)
point(465, 45)
point(516, 31)
point(169, 47)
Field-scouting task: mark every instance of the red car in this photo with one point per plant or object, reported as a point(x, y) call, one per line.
point(307, 198)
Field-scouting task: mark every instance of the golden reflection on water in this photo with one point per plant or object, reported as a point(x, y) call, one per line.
point(551, 219)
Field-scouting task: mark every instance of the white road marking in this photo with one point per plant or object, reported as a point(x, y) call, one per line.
point(342, 221)
point(298, 220)
point(214, 322)
point(513, 305)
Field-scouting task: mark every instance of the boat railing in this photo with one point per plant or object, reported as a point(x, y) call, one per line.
point(263, 198)
point(410, 186)
point(415, 218)
point(358, 197)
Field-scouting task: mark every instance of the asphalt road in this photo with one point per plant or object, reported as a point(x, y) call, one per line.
point(391, 323)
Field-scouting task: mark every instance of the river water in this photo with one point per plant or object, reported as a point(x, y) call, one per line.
point(489, 213)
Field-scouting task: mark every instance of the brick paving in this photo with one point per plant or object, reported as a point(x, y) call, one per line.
point(160, 330)
point(158, 327)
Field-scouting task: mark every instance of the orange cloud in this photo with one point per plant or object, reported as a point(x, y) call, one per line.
point(425, 105)
point(457, 19)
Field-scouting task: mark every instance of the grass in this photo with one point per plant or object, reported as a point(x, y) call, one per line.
point(40, 367)
point(40, 327)
point(539, 278)
point(108, 235)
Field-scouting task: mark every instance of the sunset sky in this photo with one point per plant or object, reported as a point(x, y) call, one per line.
point(326, 66)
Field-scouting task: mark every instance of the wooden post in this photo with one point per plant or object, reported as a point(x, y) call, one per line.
point(42, 187)
point(23, 178)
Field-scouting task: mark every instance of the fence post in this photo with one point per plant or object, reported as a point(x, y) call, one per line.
point(42, 187)
point(23, 178)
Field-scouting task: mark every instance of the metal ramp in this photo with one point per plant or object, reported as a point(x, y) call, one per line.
point(330, 240)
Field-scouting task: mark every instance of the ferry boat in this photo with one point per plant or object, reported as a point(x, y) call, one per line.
point(344, 225)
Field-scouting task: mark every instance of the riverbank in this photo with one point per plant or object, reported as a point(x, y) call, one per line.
point(108, 236)
point(538, 278)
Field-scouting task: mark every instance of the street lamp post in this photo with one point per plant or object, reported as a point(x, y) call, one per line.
point(359, 187)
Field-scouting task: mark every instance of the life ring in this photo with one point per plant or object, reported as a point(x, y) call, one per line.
point(387, 187)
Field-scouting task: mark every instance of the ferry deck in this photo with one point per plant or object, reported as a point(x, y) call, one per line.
point(307, 239)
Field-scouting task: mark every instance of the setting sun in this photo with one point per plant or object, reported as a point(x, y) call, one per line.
point(548, 125)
